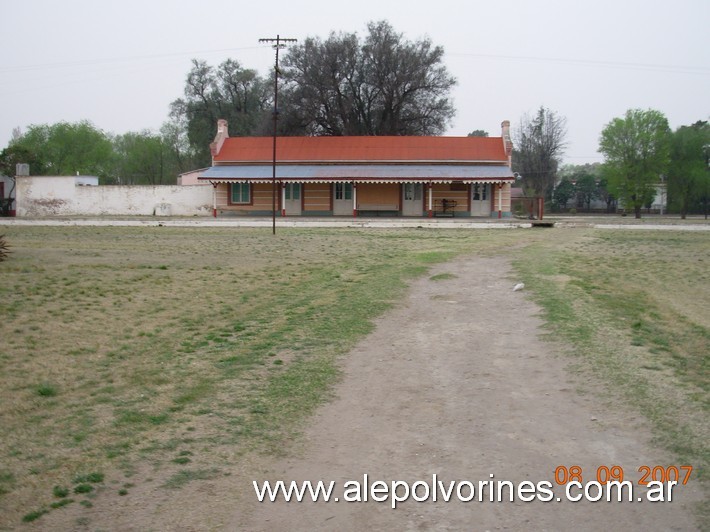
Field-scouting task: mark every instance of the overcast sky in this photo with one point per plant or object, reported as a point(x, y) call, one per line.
point(119, 64)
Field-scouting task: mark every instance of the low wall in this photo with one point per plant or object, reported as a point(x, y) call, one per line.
point(60, 196)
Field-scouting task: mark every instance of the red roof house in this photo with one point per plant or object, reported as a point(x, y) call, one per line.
point(366, 175)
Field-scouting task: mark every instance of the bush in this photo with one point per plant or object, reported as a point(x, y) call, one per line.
point(4, 248)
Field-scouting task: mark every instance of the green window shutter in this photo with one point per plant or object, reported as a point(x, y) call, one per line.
point(241, 193)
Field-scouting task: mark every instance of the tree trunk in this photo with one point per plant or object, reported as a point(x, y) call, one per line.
point(637, 211)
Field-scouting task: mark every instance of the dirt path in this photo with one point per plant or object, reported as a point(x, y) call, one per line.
point(455, 382)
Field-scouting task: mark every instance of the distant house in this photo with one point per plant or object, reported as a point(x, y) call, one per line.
point(191, 177)
point(86, 181)
point(368, 175)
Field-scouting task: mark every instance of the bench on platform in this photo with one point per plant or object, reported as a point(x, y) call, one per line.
point(378, 208)
point(444, 207)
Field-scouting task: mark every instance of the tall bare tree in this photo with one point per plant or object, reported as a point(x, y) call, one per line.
point(384, 85)
point(539, 145)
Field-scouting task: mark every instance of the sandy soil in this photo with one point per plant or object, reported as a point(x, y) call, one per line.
point(456, 382)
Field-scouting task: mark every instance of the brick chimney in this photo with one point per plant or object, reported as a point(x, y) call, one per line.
point(507, 143)
point(222, 134)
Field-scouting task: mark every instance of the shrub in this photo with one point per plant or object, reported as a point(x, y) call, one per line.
point(4, 248)
point(60, 492)
point(46, 390)
point(83, 488)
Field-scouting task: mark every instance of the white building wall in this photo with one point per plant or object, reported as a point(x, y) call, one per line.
point(60, 196)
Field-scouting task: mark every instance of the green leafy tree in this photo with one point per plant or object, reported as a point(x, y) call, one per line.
point(688, 174)
point(140, 159)
point(705, 185)
point(383, 85)
point(587, 190)
point(589, 183)
point(637, 152)
point(539, 145)
point(605, 194)
point(67, 148)
point(478, 133)
point(564, 192)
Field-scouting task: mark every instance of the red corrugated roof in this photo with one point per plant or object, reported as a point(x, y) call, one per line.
point(362, 149)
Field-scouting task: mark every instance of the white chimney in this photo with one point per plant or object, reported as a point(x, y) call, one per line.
point(222, 134)
point(507, 142)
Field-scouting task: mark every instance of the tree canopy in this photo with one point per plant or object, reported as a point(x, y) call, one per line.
point(636, 149)
point(688, 174)
point(69, 148)
point(383, 85)
point(564, 191)
point(228, 91)
point(66, 148)
point(141, 158)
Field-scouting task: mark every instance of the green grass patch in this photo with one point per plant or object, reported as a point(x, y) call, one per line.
point(7, 482)
point(442, 277)
point(60, 492)
point(61, 503)
point(93, 478)
point(46, 390)
point(33, 516)
point(136, 417)
point(83, 488)
point(181, 478)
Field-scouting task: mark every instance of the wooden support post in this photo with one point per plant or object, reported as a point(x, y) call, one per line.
point(283, 199)
point(500, 200)
point(214, 200)
point(430, 203)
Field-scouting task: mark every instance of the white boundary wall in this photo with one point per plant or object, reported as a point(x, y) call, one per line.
point(60, 196)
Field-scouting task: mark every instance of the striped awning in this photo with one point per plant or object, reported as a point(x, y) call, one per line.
point(375, 173)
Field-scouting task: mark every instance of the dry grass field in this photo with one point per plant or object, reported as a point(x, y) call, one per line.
point(186, 349)
point(633, 306)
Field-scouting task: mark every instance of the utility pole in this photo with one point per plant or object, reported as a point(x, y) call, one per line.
point(278, 44)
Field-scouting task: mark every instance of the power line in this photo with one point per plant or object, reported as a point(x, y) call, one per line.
point(113, 60)
point(679, 69)
point(683, 69)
